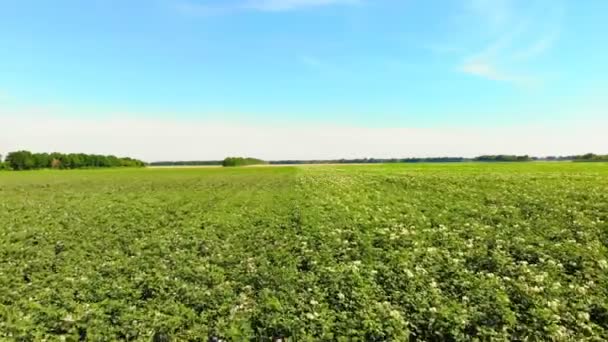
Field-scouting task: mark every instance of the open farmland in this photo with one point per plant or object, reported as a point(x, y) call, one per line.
point(384, 252)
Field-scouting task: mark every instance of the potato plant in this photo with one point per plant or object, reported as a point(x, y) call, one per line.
point(422, 252)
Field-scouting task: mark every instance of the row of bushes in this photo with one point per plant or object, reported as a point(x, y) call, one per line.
point(26, 160)
point(503, 158)
point(592, 157)
point(239, 161)
point(188, 163)
point(371, 161)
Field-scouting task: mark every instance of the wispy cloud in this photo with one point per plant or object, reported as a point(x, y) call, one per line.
point(538, 47)
point(209, 8)
point(484, 70)
point(511, 48)
point(491, 72)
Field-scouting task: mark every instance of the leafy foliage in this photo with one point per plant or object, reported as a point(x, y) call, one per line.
point(503, 158)
point(590, 157)
point(239, 161)
point(187, 163)
point(422, 252)
point(485, 158)
point(372, 161)
point(26, 160)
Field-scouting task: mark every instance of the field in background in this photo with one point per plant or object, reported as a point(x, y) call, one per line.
point(374, 252)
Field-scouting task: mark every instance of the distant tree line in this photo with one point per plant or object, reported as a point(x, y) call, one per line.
point(239, 161)
point(503, 158)
point(485, 158)
point(371, 161)
point(590, 157)
point(187, 163)
point(26, 160)
point(558, 158)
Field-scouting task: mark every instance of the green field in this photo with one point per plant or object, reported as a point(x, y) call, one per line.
point(426, 252)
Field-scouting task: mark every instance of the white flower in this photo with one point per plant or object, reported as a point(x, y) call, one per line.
point(553, 304)
point(540, 278)
point(395, 314)
point(536, 289)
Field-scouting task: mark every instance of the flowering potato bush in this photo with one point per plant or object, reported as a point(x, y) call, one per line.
point(334, 253)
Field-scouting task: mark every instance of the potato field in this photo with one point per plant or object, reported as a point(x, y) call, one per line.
point(418, 252)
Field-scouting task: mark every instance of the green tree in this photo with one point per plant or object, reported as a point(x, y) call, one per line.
point(21, 160)
point(239, 161)
point(41, 160)
point(25, 160)
point(3, 165)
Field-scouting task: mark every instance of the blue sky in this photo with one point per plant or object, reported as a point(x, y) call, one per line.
point(375, 64)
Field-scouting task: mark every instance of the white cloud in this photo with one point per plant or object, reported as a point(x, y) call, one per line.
point(510, 49)
point(537, 48)
point(491, 72)
point(484, 70)
point(169, 139)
